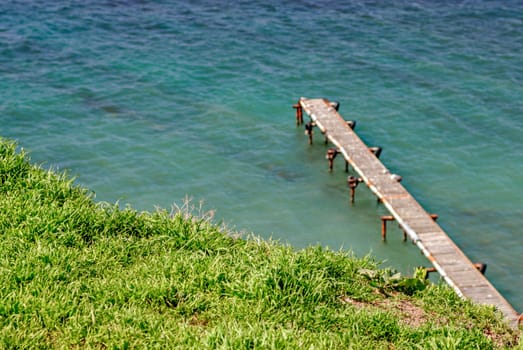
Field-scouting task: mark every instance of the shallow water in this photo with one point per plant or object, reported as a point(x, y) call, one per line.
point(149, 102)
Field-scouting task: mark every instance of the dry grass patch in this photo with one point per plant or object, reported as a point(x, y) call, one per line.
point(409, 313)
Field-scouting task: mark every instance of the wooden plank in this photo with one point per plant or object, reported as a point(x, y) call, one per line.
point(453, 259)
point(441, 249)
point(465, 278)
point(434, 242)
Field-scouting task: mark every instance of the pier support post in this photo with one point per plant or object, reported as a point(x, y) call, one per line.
point(481, 267)
point(351, 124)
point(299, 113)
point(376, 151)
point(353, 182)
point(308, 131)
point(335, 105)
point(331, 154)
point(384, 220)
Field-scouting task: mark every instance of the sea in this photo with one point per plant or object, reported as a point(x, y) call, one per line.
point(151, 104)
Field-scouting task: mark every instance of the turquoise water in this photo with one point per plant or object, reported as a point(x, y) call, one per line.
point(149, 102)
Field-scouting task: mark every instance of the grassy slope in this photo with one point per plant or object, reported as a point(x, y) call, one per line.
point(75, 273)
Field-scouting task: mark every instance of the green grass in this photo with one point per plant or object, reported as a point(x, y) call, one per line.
point(79, 274)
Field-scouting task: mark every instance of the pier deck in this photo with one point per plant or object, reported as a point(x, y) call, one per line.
point(451, 263)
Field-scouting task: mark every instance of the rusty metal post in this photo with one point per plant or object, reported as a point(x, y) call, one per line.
point(384, 220)
point(335, 105)
point(481, 267)
point(376, 151)
point(308, 131)
point(299, 113)
point(331, 154)
point(351, 124)
point(353, 183)
point(430, 270)
point(383, 229)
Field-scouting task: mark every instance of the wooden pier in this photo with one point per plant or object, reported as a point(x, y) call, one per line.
point(451, 263)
